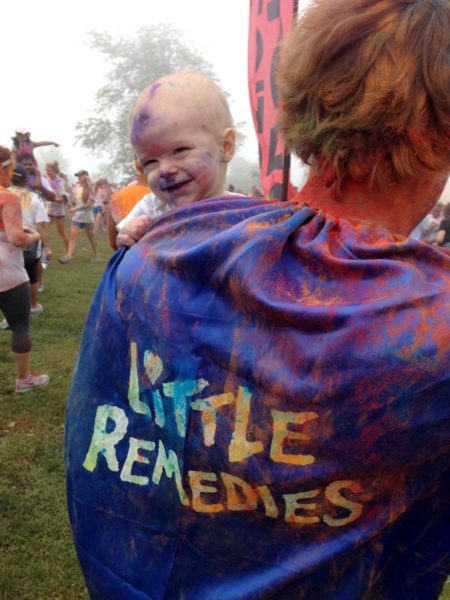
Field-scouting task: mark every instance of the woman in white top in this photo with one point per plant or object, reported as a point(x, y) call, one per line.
point(82, 216)
point(57, 210)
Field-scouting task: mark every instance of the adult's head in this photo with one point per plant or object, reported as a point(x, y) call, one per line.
point(365, 90)
point(24, 159)
point(52, 169)
point(182, 133)
point(6, 166)
point(102, 185)
point(21, 136)
point(82, 176)
point(19, 176)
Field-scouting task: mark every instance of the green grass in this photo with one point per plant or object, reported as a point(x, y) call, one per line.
point(37, 558)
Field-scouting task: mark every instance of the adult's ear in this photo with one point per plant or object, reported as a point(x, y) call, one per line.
point(228, 144)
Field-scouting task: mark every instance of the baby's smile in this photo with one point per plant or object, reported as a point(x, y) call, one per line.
point(172, 186)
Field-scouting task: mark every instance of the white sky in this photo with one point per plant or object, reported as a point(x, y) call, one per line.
point(50, 75)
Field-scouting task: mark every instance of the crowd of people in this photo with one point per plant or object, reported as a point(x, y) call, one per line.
point(45, 198)
point(31, 201)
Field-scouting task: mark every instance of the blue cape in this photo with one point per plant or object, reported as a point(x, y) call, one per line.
point(260, 409)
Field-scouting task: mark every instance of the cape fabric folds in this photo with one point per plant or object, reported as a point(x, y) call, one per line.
point(260, 409)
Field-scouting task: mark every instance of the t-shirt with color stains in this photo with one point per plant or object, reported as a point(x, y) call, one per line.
point(260, 409)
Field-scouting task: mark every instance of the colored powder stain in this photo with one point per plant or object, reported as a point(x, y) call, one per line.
point(252, 227)
point(153, 89)
point(140, 122)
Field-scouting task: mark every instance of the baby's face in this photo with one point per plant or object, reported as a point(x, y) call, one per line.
point(181, 154)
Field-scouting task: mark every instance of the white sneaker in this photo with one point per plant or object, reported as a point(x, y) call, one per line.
point(37, 310)
point(4, 324)
point(31, 382)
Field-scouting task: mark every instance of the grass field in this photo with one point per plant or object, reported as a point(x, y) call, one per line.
point(37, 559)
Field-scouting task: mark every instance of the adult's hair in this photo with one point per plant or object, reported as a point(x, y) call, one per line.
point(365, 89)
point(100, 183)
point(5, 154)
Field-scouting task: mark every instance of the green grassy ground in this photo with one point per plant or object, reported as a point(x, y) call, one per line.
point(37, 559)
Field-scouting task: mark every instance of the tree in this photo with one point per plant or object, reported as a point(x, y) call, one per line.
point(133, 63)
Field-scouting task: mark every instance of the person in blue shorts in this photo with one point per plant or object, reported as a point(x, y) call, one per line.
point(82, 216)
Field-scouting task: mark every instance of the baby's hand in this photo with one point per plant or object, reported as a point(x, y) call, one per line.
point(133, 231)
point(124, 240)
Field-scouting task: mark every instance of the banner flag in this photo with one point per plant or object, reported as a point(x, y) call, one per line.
point(269, 20)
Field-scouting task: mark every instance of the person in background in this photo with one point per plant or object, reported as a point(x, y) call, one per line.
point(427, 229)
point(22, 144)
point(256, 192)
point(124, 200)
point(36, 182)
point(34, 216)
point(82, 216)
point(57, 210)
point(14, 282)
point(101, 195)
point(443, 234)
point(260, 408)
point(39, 184)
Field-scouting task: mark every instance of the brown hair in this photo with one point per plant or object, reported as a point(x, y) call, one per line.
point(100, 183)
point(5, 154)
point(365, 89)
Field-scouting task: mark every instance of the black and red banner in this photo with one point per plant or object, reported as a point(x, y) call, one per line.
point(269, 21)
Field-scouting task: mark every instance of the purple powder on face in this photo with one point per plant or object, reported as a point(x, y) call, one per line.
point(153, 89)
point(140, 122)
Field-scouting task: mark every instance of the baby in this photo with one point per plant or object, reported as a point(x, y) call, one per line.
point(182, 133)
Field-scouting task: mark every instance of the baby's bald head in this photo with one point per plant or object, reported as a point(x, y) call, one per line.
point(182, 133)
point(191, 96)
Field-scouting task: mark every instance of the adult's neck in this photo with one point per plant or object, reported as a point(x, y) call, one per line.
point(398, 207)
